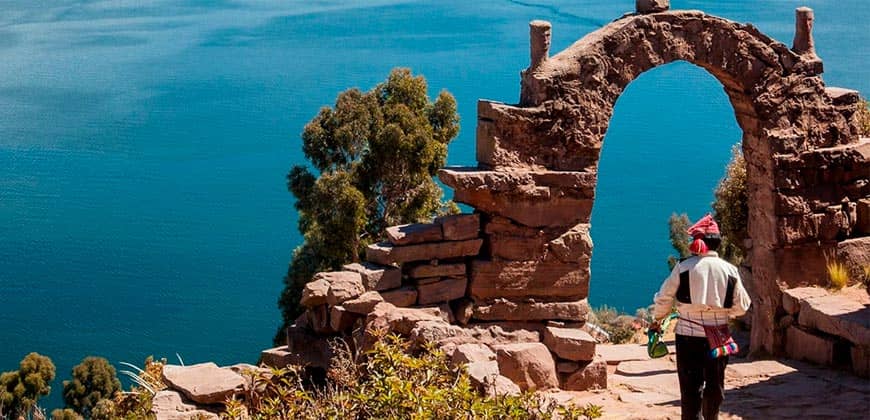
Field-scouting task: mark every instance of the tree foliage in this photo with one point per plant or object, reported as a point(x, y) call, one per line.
point(678, 226)
point(93, 379)
point(731, 208)
point(20, 390)
point(375, 154)
point(65, 414)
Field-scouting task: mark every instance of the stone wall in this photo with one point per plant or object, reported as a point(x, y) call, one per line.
point(504, 290)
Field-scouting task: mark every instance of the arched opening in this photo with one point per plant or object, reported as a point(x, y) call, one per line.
point(655, 160)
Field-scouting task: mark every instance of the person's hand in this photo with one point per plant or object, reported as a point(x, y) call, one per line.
point(656, 326)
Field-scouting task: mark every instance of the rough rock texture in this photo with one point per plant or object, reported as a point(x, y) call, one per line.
point(837, 316)
point(444, 290)
point(652, 6)
point(528, 279)
point(459, 227)
point(204, 383)
point(386, 253)
point(314, 293)
point(376, 277)
point(504, 310)
point(591, 376)
point(529, 365)
point(414, 233)
point(403, 297)
point(802, 345)
point(343, 285)
point(570, 344)
point(169, 405)
point(792, 298)
point(435, 270)
point(470, 353)
point(364, 303)
point(855, 253)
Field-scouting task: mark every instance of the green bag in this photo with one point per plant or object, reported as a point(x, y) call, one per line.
point(655, 347)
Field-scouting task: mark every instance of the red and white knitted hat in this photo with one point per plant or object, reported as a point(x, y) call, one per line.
point(704, 227)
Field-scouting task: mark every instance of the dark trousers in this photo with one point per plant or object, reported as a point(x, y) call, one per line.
point(702, 379)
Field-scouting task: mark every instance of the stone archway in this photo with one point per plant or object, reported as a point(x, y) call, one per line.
point(807, 165)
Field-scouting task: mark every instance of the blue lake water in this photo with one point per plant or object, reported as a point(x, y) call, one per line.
point(143, 150)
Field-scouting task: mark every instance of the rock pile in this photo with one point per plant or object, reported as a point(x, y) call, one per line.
point(199, 391)
point(504, 299)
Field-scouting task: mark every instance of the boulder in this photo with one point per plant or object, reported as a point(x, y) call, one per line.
point(803, 345)
point(504, 333)
point(591, 376)
point(344, 285)
point(573, 245)
point(314, 293)
point(414, 233)
point(375, 276)
point(387, 253)
point(449, 288)
point(424, 270)
point(504, 310)
point(529, 365)
point(837, 315)
point(855, 254)
point(364, 303)
point(570, 344)
point(459, 227)
point(403, 297)
point(204, 383)
point(470, 353)
point(791, 298)
point(434, 331)
point(510, 241)
point(541, 280)
point(169, 405)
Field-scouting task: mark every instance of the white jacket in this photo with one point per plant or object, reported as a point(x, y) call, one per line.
point(702, 298)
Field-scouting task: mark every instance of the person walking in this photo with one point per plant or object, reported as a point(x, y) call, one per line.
point(708, 291)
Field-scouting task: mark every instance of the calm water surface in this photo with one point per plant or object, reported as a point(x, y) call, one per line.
point(143, 149)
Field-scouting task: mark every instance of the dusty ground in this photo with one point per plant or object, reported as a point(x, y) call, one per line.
point(640, 388)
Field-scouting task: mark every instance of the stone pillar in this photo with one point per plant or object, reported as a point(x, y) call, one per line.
point(803, 33)
point(539, 34)
point(652, 6)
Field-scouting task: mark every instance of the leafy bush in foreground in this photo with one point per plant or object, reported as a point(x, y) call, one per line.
point(389, 384)
point(93, 379)
point(20, 390)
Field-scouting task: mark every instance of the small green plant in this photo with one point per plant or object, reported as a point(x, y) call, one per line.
point(838, 274)
point(863, 117)
point(389, 382)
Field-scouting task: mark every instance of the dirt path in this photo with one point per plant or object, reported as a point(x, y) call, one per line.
point(640, 388)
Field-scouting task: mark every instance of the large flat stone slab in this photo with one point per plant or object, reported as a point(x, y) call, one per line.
point(837, 315)
point(540, 280)
point(447, 289)
point(376, 277)
point(204, 383)
point(792, 298)
point(459, 227)
point(503, 310)
point(570, 343)
point(414, 233)
point(424, 270)
point(386, 253)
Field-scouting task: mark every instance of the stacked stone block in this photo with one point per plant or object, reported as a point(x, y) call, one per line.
point(827, 329)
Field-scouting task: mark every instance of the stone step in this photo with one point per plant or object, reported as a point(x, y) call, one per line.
point(837, 315)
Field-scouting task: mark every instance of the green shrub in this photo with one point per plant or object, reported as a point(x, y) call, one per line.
point(863, 117)
point(678, 227)
point(65, 414)
point(731, 208)
point(94, 379)
point(620, 327)
point(20, 390)
point(390, 383)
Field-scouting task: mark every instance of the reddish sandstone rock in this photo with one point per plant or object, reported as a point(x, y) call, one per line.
point(447, 289)
point(318, 318)
point(315, 292)
point(803, 345)
point(204, 383)
point(470, 353)
point(573, 246)
point(570, 344)
point(404, 297)
point(340, 319)
point(376, 277)
point(791, 298)
point(424, 270)
point(386, 253)
point(484, 375)
point(503, 310)
point(838, 316)
point(364, 303)
point(529, 365)
point(591, 376)
point(504, 333)
point(855, 254)
point(459, 227)
point(541, 280)
point(463, 310)
point(434, 331)
point(414, 233)
point(652, 6)
point(343, 285)
point(862, 214)
point(169, 405)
